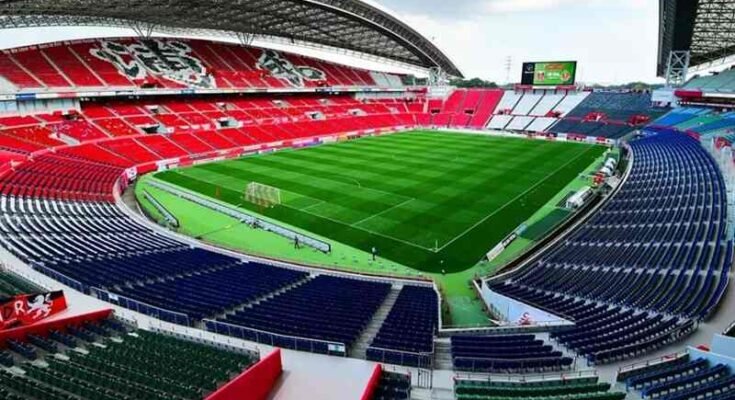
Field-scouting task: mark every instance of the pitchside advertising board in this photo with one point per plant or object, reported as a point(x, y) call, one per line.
point(27, 309)
point(554, 73)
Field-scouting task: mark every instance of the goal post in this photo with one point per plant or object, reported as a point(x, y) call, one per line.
point(262, 194)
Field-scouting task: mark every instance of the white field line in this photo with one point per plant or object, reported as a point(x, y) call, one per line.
point(318, 203)
point(226, 178)
point(354, 225)
point(513, 200)
point(362, 229)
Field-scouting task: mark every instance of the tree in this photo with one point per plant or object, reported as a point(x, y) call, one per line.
point(473, 83)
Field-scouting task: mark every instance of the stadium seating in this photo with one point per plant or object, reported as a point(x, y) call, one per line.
point(506, 353)
point(723, 81)
point(103, 360)
point(409, 328)
point(392, 386)
point(528, 102)
point(211, 292)
point(681, 378)
point(55, 176)
point(661, 268)
point(465, 108)
point(324, 308)
point(571, 388)
point(706, 123)
point(57, 215)
point(11, 285)
point(100, 63)
point(607, 114)
point(559, 112)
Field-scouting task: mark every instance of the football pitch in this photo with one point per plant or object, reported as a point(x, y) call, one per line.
point(431, 201)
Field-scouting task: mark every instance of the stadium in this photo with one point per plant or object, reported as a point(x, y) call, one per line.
point(219, 206)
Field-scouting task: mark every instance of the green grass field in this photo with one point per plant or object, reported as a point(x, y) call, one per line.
point(426, 200)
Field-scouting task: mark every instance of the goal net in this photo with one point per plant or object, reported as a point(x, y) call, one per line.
point(262, 195)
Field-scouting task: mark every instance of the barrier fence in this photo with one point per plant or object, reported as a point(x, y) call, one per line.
point(398, 357)
point(141, 307)
point(277, 340)
point(72, 283)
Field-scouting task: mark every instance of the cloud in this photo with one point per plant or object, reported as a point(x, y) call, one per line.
point(441, 9)
point(514, 6)
point(614, 41)
point(474, 9)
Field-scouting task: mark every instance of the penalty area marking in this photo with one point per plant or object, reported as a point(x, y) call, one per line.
point(362, 229)
point(354, 225)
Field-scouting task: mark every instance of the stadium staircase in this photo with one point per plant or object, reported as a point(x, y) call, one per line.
point(432, 394)
point(443, 354)
point(362, 343)
point(566, 351)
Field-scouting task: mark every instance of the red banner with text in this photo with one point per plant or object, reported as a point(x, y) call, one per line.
point(27, 309)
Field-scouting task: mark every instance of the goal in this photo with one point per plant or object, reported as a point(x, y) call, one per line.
point(262, 195)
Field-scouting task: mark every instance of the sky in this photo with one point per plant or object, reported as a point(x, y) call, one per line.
point(614, 41)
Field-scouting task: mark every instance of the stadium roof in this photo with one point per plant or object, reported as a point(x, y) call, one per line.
point(704, 27)
point(352, 25)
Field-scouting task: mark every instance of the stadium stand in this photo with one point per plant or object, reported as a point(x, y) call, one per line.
point(570, 102)
point(548, 102)
point(464, 108)
point(173, 63)
point(528, 102)
point(680, 116)
point(89, 357)
point(705, 122)
point(723, 81)
point(508, 102)
point(409, 328)
point(572, 388)
point(89, 171)
point(506, 353)
point(65, 198)
point(207, 293)
point(680, 377)
point(608, 114)
point(536, 110)
point(11, 285)
point(519, 123)
point(323, 308)
point(499, 122)
point(663, 268)
point(392, 386)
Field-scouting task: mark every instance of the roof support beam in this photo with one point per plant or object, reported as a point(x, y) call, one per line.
point(143, 29)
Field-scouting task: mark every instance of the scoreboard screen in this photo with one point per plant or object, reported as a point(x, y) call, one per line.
point(556, 73)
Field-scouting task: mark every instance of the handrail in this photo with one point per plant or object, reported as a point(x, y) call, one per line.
point(114, 298)
point(419, 355)
point(525, 378)
point(730, 329)
point(338, 347)
point(642, 364)
point(52, 273)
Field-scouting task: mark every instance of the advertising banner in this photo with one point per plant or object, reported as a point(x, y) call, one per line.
point(27, 309)
point(556, 73)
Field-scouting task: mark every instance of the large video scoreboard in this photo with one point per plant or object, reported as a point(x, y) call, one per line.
point(555, 73)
